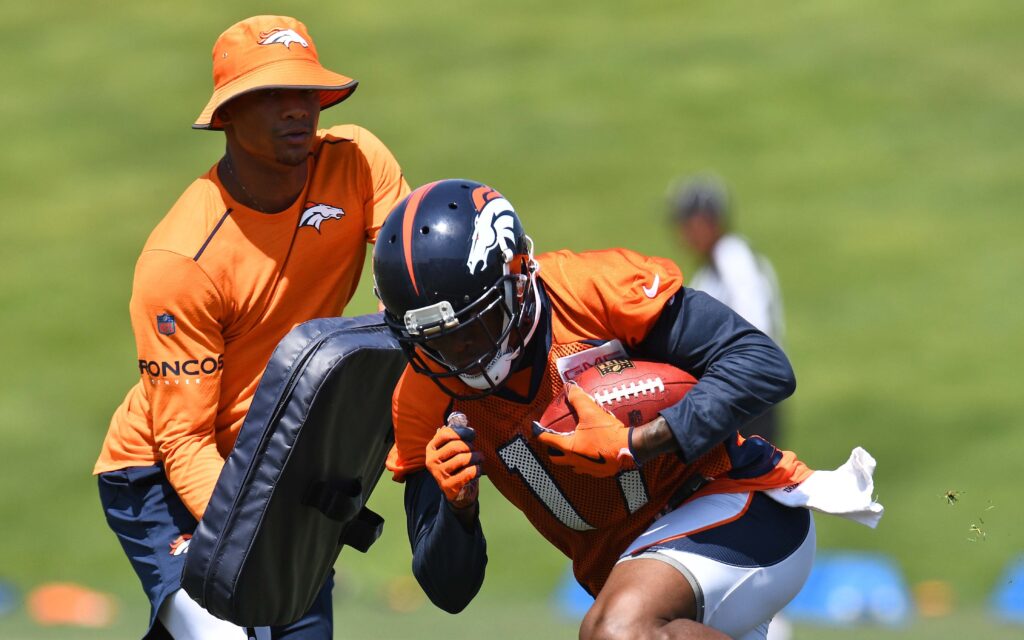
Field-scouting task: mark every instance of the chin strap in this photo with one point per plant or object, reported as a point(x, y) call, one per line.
point(536, 305)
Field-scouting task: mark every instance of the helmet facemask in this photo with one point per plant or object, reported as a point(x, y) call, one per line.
point(479, 343)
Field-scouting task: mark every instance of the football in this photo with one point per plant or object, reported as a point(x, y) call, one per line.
point(633, 390)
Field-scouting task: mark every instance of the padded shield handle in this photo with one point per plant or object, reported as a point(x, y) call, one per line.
point(363, 530)
point(338, 499)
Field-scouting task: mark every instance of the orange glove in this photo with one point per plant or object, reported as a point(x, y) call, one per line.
point(455, 465)
point(599, 446)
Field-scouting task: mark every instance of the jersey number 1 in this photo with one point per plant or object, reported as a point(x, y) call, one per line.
point(521, 460)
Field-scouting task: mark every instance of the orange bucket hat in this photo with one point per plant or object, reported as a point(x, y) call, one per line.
point(266, 52)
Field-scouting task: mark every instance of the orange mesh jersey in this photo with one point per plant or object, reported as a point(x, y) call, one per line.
point(594, 296)
point(216, 288)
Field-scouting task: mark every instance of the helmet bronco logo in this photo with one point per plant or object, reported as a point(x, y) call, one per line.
point(282, 36)
point(316, 214)
point(494, 228)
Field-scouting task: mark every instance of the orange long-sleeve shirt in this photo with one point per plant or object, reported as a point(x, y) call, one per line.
point(216, 288)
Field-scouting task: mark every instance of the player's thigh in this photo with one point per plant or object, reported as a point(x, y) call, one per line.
point(637, 596)
point(185, 619)
point(152, 525)
point(744, 556)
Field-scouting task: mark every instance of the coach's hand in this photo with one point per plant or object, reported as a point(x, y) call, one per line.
point(455, 466)
point(600, 444)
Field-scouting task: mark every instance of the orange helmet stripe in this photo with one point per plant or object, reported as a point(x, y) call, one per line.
point(407, 229)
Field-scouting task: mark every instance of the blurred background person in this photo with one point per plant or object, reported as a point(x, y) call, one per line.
point(730, 270)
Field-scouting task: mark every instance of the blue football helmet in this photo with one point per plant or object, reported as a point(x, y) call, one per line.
point(457, 277)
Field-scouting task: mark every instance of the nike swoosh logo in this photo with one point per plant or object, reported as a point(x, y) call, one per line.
point(653, 289)
point(598, 460)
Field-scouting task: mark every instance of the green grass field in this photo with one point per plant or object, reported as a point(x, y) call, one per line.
point(874, 149)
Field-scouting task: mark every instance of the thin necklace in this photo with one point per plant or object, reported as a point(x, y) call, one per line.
point(234, 176)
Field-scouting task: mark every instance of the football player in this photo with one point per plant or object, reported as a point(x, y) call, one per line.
point(668, 523)
point(272, 235)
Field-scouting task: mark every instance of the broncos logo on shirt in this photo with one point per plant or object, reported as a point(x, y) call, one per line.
point(316, 214)
point(282, 36)
point(494, 228)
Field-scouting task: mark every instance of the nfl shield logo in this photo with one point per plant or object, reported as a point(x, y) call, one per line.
point(617, 365)
point(165, 324)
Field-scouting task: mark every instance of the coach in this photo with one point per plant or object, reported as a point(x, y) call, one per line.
point(272, 235)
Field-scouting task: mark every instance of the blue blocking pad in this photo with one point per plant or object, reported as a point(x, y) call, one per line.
point(293, 489)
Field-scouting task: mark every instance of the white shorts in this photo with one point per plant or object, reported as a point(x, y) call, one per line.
point(745, 555)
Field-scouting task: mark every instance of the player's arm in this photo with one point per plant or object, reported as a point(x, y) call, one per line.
point(180, 361)
point(385, 182)
point(385, 185)
point(640, 300)
point(449, 551)
point(441, 473)
point(741, 373)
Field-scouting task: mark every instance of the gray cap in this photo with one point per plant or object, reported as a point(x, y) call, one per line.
point(706, 194)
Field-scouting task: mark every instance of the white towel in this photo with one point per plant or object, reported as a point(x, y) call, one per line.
point(847, 491)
